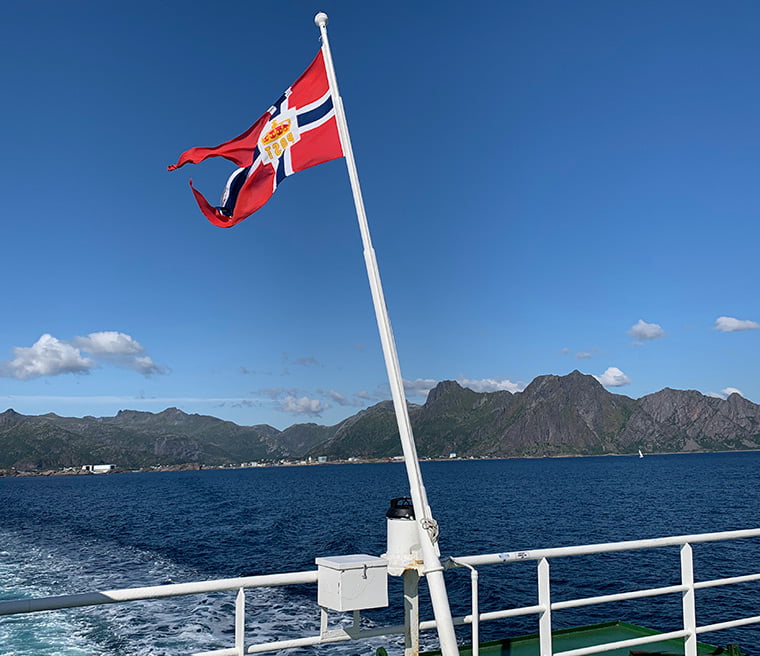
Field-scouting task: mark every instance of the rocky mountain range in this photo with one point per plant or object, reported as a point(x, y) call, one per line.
point(553, 416)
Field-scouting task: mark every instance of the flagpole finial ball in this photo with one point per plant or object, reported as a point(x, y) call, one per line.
point(320, 19)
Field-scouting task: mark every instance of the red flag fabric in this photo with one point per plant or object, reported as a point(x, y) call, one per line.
point(300, 130)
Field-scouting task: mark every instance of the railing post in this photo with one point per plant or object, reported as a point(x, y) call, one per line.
point(240, 622)
point(411, 612)
point(688, 601)
point(544, 599)
point(475, 612)
point(475, 604)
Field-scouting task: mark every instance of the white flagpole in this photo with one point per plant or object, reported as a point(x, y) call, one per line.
point(428, 529)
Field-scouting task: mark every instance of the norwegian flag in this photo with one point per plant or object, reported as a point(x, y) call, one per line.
point(298, 131)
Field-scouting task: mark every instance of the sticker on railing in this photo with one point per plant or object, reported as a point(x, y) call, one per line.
point(517, 555)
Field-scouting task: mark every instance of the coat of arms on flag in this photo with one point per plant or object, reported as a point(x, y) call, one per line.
point(298, 131)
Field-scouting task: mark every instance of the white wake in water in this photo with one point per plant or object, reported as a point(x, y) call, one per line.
point(180, 625)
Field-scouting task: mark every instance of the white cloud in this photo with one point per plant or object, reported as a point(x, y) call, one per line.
point(301, 402)
point(644, 330)
point(145, 365)
point(118, 349)
point(728, 391)
point(491, 385)
point(731, 325)
point(108, 342)
point(725, 393)
point(613, 377)
point(338, 397)
point(422, 386)
point(277, 392)
point(341, 399)
point(579, 355)
point(48, 356)
point(303, 406)
point(419, 387)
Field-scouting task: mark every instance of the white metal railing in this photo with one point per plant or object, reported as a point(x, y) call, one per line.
point(687, 588)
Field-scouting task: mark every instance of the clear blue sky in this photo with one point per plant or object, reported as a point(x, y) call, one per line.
point(550, 186)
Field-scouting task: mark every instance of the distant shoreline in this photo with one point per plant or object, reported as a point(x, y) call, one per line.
point(194, 466)
point(189, 466)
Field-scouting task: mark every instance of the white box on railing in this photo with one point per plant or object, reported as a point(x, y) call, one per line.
point(354, 582)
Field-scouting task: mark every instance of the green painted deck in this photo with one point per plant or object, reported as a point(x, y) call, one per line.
point(586, 636)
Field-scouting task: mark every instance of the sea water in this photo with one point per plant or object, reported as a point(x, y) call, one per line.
point(61, 535)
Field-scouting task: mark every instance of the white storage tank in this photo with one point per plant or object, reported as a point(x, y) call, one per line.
point(403, 548)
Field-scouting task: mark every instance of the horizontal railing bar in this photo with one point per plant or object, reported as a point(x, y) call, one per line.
point(296, 642)
point(728, 581)
point(278, 645)
point(16, 606)
point(512, 612)
point(588, 549)
point(393, 629)
point(487, 617)
point(728, 625)
point(623, 644)
point(621, 596)
point(335, 635)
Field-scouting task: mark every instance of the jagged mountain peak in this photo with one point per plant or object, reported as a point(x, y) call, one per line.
point(174, 413)
point(127, 414)
point(574, 384)
point(446, 388)
point(447, 385)
point(738, 401)
point(10, 418)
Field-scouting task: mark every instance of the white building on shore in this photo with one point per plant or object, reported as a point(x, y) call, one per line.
point(98, 469)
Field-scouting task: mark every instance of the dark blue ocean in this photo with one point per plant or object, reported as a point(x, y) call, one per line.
point(73, 534)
